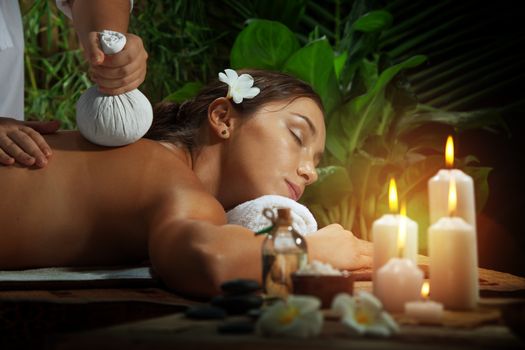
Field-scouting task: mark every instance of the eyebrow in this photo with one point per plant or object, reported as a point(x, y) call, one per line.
point(310, 124)
point(318, 155)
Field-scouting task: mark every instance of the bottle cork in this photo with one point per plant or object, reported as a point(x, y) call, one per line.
point(284, 216)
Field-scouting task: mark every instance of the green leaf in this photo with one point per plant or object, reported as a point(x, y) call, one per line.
point(339, 62)
point(365, 171)
point(189, 90)
point(368, 72)
point(332, 185)
point(424, 114)
point(374, 21)
point(366, 112)
point(314, 64)
point(417, 210)
point(263, 44)
point(336, 138)
point(288, 12)
point(264, 230)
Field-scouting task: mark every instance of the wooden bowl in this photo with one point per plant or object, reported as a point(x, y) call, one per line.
point(325, 287)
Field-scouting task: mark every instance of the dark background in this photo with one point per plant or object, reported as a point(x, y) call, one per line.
point(494, 32)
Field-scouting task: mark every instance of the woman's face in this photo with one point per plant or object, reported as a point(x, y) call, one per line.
point(275, 151)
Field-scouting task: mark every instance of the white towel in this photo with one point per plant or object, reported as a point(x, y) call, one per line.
point(250, 214)
point(58, 274)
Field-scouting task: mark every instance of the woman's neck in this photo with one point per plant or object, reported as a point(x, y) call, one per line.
point(205, 163)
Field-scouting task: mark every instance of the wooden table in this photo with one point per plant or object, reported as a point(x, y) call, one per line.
point(147, 318)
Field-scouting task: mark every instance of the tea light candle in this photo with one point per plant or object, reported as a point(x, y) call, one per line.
point(453, 266)
point(385, 231)
point(424, 311)
point(438, 189)
point(399, 280)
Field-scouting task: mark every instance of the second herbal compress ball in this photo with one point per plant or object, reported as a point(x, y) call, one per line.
point(113, 120)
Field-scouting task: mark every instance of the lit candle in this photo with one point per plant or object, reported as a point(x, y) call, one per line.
point(453, 266)
point(385, 231)
point(424, 311)
point(399, 280)
point(438, 189)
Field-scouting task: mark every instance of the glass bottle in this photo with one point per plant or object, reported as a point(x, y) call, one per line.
point(284, 251)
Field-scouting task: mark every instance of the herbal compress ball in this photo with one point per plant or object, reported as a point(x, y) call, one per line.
point(113, 120)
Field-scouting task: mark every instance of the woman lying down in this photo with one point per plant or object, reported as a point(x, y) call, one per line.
point(164, 197)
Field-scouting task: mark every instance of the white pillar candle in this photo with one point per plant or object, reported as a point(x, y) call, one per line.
point(398, 282)
point(385, 232)
point(438, 191)
point(438, 187)
point(384, 238)
point(453, 267)
point(424, 311)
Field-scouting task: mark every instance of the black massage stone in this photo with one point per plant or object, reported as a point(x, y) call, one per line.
point(254, 313)
point(240, 286)
point(237, 304)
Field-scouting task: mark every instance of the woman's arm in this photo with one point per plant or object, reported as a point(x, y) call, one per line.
point(196, 254)
point(195, 257)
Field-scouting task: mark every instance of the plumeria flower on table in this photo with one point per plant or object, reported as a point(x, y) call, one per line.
point(363, 314)
point(297, 317)
point(239, 87)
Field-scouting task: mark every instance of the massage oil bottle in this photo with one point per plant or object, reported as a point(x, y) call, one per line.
point(283, 252)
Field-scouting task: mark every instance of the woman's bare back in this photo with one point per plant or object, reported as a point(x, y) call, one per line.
point(90, 206)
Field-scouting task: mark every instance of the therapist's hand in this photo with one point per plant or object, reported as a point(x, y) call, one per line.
point(119, 73)
point(22, 142)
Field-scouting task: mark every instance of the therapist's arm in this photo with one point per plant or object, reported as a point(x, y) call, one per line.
point(114, 74)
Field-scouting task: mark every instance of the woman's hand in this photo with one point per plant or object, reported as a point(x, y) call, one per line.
point(339, 247)
point(22, 142)
point(119, 73)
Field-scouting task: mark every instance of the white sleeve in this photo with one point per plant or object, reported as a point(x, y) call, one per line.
point(65, 7)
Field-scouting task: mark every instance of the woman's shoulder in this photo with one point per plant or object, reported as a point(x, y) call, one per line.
point(178, 189)
point(168, 157)
point(165, 157)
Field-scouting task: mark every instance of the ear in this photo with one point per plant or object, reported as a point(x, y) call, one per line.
point(221, 117)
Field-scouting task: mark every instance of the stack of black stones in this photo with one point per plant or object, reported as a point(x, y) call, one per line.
point(238, 306)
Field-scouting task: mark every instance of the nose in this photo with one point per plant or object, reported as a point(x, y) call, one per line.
point(307, 171)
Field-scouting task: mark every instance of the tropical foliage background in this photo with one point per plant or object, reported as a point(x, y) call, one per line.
point(396, 78)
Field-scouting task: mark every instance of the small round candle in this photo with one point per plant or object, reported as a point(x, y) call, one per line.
point(424, 311)
point(398, 282)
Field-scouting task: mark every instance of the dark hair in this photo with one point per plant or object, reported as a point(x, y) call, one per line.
point(180, 123)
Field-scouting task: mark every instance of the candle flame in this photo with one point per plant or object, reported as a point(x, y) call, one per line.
point(425, 290)
point(392, 196)
point(449, 152)
point(452, 196)
point(402, 230)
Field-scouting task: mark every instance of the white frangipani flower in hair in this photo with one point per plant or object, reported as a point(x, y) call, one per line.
point(364, 315)
point(239, 87)
point(297, 317)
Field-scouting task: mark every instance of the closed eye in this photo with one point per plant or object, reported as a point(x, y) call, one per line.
point(297, 138)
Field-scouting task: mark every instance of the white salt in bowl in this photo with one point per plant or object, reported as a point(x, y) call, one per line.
point(323, 281)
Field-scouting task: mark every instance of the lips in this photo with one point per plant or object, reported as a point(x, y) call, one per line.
point(295, 191)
